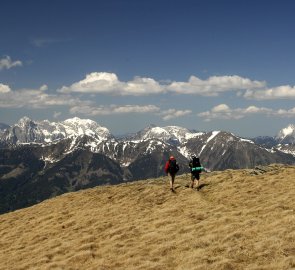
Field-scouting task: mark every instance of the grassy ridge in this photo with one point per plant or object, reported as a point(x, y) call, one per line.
point(236, 221)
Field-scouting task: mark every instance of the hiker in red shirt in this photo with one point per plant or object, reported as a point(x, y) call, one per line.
point(171, 168)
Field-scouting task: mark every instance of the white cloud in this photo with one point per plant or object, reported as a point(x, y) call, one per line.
point(113, 109)
point(280, 92)
point(44, 87)
point(126, 109)
point(214, 85)
point(223, 111)
point(220, 108)
point(136, 109)
point(108, 83)
point(143, 86)
point(96, 82)
point(172, 113)
point(40, 99)
point(285, 113)
point(4, 88)
point(103, 82)
point(7, 63)
point(35, 98)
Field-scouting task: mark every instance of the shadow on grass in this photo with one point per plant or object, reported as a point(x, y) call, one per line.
point(177, 187)
point(202, 185)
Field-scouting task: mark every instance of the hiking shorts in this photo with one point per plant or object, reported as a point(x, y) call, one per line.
point(195, 175)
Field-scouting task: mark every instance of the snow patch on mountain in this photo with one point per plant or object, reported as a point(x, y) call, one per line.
point(153, 145)
point(246, 140)
point(286, 148)
point(203, 147)
point(49, 160)
point(185, 151)
point(189, 136)
point(214, 133)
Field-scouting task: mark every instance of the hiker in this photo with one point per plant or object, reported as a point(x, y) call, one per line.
point(196, 169)
point(171, 168)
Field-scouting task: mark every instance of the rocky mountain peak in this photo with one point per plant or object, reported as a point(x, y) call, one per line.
point(80, 122)
point(27, 130)
point(25, 122)
point(287, 131)
point(171, 134)
point(77, 126)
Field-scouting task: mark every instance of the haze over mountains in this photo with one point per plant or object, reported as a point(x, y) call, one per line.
point(42, 159)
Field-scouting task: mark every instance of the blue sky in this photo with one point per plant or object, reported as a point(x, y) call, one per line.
point(205, 65)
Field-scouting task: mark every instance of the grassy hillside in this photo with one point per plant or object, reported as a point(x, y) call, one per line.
point(240, 219)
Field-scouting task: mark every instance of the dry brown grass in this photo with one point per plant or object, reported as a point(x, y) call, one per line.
point(236, 221)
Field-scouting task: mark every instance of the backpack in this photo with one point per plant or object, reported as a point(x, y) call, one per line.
point(173, 166)
point(196, 162)
point(195, 165)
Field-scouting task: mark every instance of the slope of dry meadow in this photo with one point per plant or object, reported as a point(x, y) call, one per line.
point(240, 219)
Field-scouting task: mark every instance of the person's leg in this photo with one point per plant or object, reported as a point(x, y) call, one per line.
point(173, 178)
point(198, 181)
point(192, 181)
point(172, 181)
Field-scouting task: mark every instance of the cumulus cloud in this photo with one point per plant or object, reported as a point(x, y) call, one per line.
point(91, 110)
point(113, 109)
point(142, 86)
point(108, 83)
point(220, 108)
point(7, 63)
point(223, 111)
point(214, 85)
point(172, 113)
point(285, 113)
point(40, 99)
point(103, 82)
point(4, 88)
point(44, 87)
point(35, 98)
point(280, 92)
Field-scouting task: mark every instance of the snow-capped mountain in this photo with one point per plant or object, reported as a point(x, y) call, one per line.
point(41, 159)
point(286, 135)
point(29, 131)
point(87, 134)
point(284, 141)
point(171, 134)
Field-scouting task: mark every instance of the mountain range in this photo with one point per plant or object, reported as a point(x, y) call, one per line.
point(42, 159)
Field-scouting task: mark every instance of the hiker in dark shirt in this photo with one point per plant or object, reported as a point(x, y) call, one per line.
point(171, 168)
point(196, 169)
